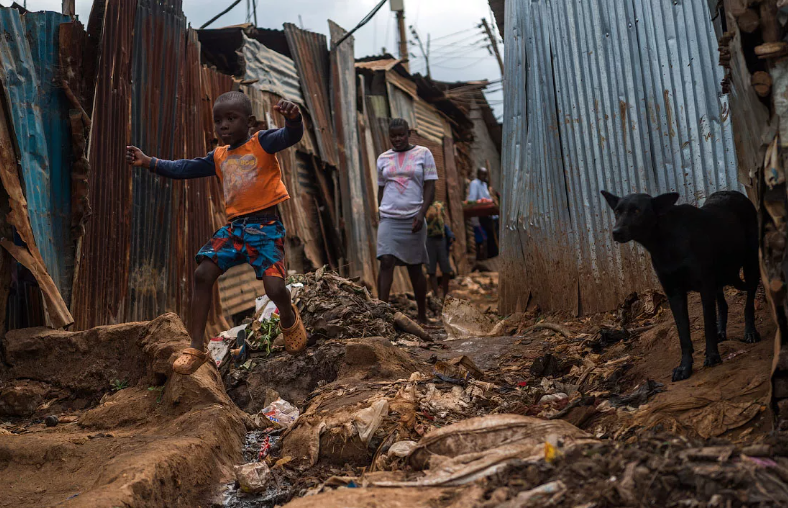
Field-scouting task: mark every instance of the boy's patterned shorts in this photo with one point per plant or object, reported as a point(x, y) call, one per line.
point(258, 241)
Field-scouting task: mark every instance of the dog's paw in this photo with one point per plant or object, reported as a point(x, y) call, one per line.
point(722, 336)
point(682, 372)
point(752, 337)
point(712, 360)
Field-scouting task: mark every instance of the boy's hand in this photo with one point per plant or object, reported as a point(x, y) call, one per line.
point(135, 157)
point(288, 110)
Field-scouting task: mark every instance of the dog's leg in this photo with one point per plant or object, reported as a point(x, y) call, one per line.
point(722, 316)
point(678, 305)
point(752, 277)
point(709, 299)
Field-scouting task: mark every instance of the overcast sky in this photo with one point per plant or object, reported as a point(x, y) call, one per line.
point(458, 52)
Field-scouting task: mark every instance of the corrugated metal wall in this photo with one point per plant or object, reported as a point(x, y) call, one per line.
point(25, 95)
point(42, 30)
point(602, 94)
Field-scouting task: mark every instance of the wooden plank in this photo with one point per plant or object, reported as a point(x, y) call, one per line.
point(455, 198)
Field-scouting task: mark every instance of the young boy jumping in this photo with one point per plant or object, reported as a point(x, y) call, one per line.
point(252, 183)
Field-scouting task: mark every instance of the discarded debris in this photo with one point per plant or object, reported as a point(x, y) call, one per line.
point(462, 319)
point(333, 307)
point(407, 325)
point(280, 413)
point(253, 477)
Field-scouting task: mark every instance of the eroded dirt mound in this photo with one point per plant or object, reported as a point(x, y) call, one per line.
point(163, 441)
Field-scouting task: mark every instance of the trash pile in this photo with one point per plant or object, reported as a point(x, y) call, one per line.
point(333, 307)
point(530, 410)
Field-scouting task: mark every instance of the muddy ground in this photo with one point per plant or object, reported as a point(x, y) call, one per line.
point(575, 411)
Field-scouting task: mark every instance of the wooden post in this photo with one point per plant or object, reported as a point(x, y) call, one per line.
point(403, 39)
point(493, 43)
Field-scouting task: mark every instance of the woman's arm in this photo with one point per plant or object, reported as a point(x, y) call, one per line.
point(429, 197)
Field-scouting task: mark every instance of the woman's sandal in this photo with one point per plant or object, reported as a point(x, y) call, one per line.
point(190, 360)
point(295, 336)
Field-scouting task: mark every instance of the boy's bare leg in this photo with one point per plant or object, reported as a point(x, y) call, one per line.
point(204, 278)
point(276, 290)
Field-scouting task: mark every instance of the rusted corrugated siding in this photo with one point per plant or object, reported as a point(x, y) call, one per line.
point(101, 282)
point(602, 95)
point(344, 107)
point(157, 56)
point(311, 57)
point(195, 202)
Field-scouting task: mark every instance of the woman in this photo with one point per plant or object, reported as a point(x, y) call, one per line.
point(406, 175)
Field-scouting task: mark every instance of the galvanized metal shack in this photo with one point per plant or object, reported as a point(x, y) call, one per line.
point(602, 94)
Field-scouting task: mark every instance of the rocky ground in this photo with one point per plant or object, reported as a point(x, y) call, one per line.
point(475, 410)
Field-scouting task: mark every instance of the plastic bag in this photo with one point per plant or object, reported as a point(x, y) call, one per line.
point(268, 307)
point(281, 413)
point(368, 420)
point(253, 477)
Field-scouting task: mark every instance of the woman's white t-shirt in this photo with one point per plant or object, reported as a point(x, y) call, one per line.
point(401, 176)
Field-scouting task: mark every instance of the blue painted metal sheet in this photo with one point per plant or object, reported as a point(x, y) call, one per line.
point(603, 94)
point(42, 35)
point(21, 81)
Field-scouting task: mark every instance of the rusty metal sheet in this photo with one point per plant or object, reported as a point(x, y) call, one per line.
point(404, 83)
point(101, 282)
point(273, 71)
point(195, 202)
point(428, 122)
point(157, 57)
point(311, 57)
point(343, 80)
point(401, 105)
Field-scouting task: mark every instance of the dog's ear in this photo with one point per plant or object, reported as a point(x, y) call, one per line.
point(612, 200)
point(661, 203)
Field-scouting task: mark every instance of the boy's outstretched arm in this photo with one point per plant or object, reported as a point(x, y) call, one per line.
point(179, 170)
point(276, 140)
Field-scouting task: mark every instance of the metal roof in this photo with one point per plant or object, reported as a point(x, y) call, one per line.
point(273, 71)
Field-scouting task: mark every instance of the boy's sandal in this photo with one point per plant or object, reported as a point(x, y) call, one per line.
point(295, 336)
point(190, 360)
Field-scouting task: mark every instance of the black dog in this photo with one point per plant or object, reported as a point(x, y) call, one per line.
point(696, 249)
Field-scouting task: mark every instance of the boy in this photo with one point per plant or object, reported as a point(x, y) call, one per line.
point(437, 247)
point(252, 181)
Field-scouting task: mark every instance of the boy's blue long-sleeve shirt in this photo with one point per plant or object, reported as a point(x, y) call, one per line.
point(272, 141)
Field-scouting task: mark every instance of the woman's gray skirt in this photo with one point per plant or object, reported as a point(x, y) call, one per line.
point(396, 238)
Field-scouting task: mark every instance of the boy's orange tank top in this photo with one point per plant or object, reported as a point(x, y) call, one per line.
point(251, 178)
